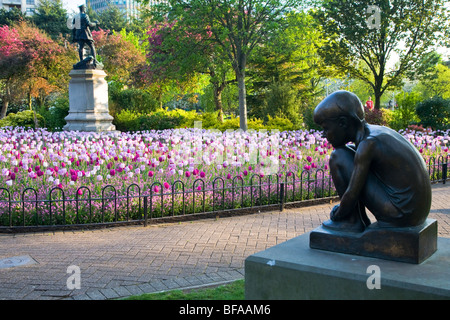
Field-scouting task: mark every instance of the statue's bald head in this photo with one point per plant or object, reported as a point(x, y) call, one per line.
point(339, 103)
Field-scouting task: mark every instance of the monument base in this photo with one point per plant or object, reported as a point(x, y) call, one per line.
point(412, 244)
point(88, 102)
point(292, 271)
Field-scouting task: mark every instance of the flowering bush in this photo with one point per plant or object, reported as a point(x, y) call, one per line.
point(73, 177)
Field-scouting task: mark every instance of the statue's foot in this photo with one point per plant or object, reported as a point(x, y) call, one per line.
point(348, 226)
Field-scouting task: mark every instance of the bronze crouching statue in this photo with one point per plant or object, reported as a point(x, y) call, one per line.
point(382, 171)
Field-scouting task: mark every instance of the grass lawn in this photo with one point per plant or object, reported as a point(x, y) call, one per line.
point(230, 291)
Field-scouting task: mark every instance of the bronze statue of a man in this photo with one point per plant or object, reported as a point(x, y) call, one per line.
point(82, 34)
point(382, 171)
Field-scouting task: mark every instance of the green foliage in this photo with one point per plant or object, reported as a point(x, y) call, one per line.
point(231, 291)
point(112, 19)
point(405, 113)
point(127, 120)
point(282, 101)
point(11, 16)
point(51, 17)
point(282, 124)
point(308, 118)
point(54, 116)
point(409, 27)
point(436, 82)
point(132, 99)
point(21, 119)
point(435, 113)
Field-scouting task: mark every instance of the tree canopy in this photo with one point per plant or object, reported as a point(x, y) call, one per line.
point(373, 31)
point(237, 26)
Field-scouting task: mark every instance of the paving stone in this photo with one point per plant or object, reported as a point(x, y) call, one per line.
point(114, 261)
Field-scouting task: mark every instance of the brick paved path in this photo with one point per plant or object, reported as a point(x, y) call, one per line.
point(121, 261)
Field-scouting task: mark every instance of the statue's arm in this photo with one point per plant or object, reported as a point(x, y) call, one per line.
point(89, 23)
point(362, 162)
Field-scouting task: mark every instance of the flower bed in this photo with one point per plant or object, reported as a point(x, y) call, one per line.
point(72, 177)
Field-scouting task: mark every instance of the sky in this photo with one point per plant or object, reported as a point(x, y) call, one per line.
point(72, 5)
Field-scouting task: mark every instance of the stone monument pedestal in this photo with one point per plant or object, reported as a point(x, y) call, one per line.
point(292, 270)
point(88, 102)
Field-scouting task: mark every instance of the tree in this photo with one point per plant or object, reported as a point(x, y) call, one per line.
point(32, 65)
point(112, 19)
point(372, 31)
point(51, 17)
point(11, 16)
point(237, 26)
point(287, 62)
point(436, 83)
point(119, 55)
point(175, 53)
point(13, 60)
point(435, 113)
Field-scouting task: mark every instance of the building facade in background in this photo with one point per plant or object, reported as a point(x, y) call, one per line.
point(130, 8)
point(26, 6)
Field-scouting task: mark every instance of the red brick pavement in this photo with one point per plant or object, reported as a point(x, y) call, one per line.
point(122, 261)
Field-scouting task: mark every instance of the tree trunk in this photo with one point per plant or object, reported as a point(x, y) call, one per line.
point(242, 100)
point(4, 108)
point(377, 90)
point(377, 100)
point(5, 103)
point(30, 104)
point(218, 89)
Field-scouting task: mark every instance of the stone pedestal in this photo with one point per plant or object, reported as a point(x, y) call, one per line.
point(292, 270)
point(88, 102)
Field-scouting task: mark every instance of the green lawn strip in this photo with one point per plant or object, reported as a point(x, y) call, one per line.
point(230, 291)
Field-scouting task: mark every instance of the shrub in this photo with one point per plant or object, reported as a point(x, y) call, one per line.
point(160, 120)
point(282, 124)
point(56, 113)
point(21, 119)
point(127, 120)
point(435, 113)
point(133, 99)
point(374, 116)
point(405, 114)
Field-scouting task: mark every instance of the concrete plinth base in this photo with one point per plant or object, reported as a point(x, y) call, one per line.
point(88, 102)
point(293, 270)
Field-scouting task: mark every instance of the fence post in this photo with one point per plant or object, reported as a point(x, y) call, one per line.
point(444, 172)
point(281, 196)
point(145, 211)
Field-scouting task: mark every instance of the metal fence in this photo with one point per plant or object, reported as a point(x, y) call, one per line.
point(155, 202)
